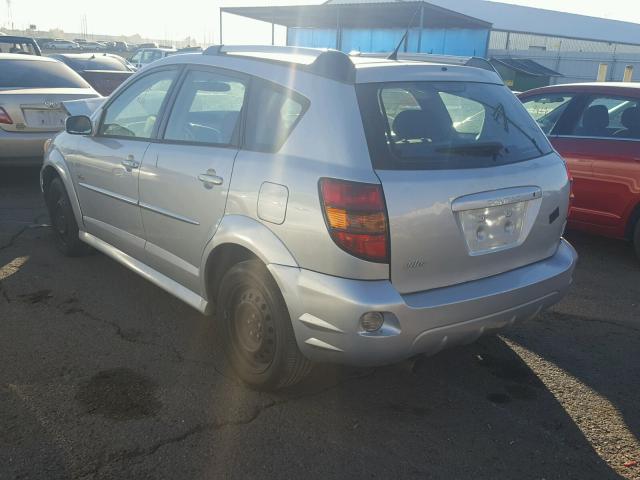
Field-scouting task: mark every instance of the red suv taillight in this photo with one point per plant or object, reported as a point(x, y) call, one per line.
point(356, 217)
point(4, 117)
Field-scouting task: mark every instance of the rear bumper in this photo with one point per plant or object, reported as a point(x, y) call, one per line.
point(23, 148)
point(325, 310)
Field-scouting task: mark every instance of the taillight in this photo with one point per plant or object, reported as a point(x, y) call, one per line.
point(356, 218)
point(4, 117)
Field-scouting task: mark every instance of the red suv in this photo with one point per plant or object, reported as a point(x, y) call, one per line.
point(596, 128)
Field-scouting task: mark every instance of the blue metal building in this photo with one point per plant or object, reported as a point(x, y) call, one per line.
point(377, 26)
point(576, 46)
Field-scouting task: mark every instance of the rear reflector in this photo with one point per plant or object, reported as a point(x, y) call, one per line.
point(4, 117)
point(356, 217)
point(571, 195)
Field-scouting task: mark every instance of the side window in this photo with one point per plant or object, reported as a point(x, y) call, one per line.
point(207, 109)
point(135, 111)
point(273, 113)
point(547, 109)
point(606, 117)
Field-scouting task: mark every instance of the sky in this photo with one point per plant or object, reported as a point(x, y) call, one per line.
point(174, 20)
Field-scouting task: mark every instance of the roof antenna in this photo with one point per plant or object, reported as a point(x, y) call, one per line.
point(394, 55)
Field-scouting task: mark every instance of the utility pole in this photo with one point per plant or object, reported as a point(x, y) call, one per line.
point(9, 15)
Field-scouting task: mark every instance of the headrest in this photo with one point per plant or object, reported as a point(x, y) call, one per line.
point(631, 119)
point(596, 117)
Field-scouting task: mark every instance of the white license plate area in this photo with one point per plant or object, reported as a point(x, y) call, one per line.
point(37, 118)
point(490, 229)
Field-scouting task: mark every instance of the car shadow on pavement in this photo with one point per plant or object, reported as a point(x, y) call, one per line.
point(117, 379)
point(593, 337)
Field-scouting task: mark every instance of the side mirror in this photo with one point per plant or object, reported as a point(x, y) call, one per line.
point(78, 125)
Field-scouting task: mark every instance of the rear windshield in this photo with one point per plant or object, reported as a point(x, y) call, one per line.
point(13, 46)
point(99, 62)
point(38, 74)
point(447, 125)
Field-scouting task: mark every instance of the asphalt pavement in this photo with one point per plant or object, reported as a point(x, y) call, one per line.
point(105, 376)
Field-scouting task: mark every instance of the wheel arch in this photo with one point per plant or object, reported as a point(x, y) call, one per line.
point(240, 238)
point(634, 218)
point(55, 167)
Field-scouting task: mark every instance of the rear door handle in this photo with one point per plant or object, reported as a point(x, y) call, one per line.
point(210, 178)
point(130, 163)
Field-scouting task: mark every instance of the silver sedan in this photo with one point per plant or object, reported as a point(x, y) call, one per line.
point(32, 90)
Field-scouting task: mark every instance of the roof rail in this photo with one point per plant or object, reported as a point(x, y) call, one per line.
point(477, 62)
point(327, 63)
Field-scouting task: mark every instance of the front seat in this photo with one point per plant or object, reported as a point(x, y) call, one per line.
point(631, 121)
point(595, 122)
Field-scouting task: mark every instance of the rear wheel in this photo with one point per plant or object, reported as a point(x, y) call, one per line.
point(256, 331)
point(63, 221)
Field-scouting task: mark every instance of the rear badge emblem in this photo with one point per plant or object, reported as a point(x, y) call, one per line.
point(50, 103)
point(414, 264)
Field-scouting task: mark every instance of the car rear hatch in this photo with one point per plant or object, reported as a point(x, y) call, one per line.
point(472, 186)
point(38, 110)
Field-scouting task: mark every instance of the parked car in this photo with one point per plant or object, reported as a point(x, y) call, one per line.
point(23, 45)
point(596, 128)
point(43, 41)
point(148, 45)
point(121, 47)
point(31, 91)
point(62, 45)
point(145, 56)
point(104, 72)
point(359, 225)
point(93, 46)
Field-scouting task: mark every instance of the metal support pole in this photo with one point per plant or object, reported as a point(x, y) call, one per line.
point(273, 32)
point(421, 28)
point(338, 30)
point(220, 26)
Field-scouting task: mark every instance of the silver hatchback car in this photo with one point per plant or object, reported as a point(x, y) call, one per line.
point(325, 207)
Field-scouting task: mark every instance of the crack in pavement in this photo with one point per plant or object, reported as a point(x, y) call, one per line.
point(580, 318)
point(119, 332)
point(138, 453)
point(13, 238)
point(35, 223)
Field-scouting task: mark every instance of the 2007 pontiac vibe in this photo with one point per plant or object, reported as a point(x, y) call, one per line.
point(325, 207)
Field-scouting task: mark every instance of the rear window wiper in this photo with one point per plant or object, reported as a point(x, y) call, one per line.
point(499, 113)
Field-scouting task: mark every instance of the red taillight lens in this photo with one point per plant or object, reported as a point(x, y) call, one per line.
point(356, 218)
point(4, 117)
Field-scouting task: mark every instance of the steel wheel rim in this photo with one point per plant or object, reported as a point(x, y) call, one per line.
point(251, 328)
point(60, 220)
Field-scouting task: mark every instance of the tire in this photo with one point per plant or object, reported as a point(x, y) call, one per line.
point(63, 221)
point(636, 239)
point(255, 331)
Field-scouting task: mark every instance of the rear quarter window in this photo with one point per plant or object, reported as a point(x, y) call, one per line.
point(547, 109)
point(273, 112)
